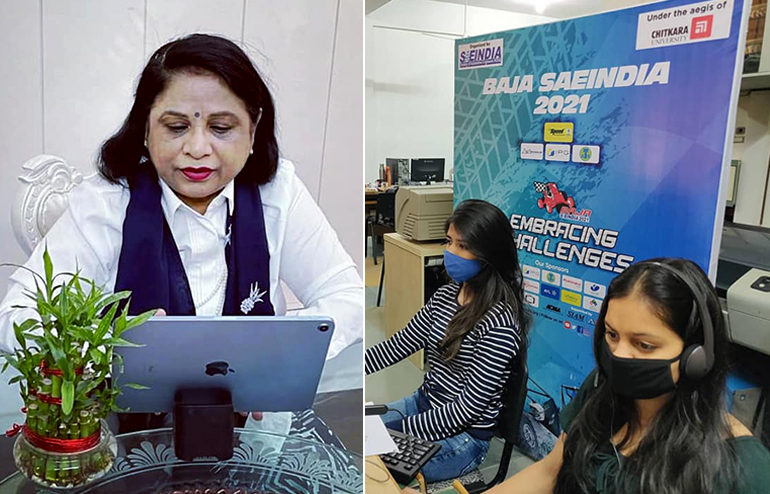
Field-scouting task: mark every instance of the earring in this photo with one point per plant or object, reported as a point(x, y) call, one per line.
point(145, 143)
point(251, 151)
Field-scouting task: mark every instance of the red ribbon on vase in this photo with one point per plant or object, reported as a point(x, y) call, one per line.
point(56, 445)
point(47, 371)
point(14, 430)
point(45, 398)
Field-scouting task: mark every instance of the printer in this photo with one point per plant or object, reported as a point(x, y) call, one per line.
point(748, 310)
point(422, 211)
point(743, 285)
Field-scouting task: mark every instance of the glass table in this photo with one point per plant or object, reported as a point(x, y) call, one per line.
point(262, 462)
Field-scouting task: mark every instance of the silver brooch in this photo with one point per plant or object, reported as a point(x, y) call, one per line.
point(255, 296)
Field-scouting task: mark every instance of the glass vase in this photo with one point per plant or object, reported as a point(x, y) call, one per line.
point(65, 470)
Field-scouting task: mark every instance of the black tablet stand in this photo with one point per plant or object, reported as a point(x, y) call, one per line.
point(203, 424)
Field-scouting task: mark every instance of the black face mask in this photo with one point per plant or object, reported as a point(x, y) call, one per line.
point(637, 378)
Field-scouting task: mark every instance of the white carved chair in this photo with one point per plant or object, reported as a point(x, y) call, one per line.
point(41, 198)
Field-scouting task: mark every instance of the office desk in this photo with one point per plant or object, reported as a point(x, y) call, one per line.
point(146, 464)
point(140, 454)
point(375, 471)
point(405, 281)
point(370, 196)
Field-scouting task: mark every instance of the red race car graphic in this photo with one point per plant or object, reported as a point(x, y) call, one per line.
point(553, 198)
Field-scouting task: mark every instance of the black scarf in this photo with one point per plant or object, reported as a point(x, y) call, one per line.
point(150, 266)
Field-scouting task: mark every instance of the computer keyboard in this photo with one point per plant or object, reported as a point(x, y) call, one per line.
point(413, 453)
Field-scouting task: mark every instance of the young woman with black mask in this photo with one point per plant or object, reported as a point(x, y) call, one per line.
point(651, 419)
point(471, 329)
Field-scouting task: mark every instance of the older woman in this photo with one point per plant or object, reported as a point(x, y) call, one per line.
point(194, 211)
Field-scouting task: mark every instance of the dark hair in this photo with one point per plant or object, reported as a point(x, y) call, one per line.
point(684, 450)
point(124, 153)
point(487, 235)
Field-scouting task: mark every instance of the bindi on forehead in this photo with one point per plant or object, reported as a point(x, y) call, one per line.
point(197, 114)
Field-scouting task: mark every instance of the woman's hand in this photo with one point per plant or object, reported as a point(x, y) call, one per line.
point(254, 415)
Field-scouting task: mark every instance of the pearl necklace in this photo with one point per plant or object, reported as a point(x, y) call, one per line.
point(221, 305)
point(222, 281)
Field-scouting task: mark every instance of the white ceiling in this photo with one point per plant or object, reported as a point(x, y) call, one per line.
point(551, 8)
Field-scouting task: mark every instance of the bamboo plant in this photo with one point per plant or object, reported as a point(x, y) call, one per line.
point(65, 358)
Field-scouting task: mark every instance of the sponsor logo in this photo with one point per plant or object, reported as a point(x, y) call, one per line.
point(531, 286)
point(584, 330)
point(567, 325)
point(532, 300)
point(585, 154)
point(531, 272)
point(697, 22)
point(480, 54)
point(595, 289)
point(572, 283)
point(553, 308)
point(576, 315)
point(551, 277)
point(559, 132)
point(571, 298)
point(557, 152)
point(592, 304)
point(559, 201)
point(531, 151)
point(549, 291)
point(701, 27)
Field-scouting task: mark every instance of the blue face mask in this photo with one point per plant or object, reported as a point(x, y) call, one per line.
point(461, 269)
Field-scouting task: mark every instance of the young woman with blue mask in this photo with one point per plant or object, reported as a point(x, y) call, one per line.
point(471, 329)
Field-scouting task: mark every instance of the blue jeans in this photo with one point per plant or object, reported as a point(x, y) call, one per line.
point(458, 456)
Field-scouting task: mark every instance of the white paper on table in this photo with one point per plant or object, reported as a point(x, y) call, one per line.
point(377, 441)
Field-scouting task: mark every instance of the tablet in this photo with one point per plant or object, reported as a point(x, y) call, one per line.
point(268, 364)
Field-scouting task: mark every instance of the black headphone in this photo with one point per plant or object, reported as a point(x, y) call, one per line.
point(697, 360)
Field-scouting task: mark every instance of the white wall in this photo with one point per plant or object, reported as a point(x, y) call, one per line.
point(410, 76)
point(754, 114)
point(70, 68)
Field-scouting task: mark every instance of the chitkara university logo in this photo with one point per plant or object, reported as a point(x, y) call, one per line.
point(560, 202)
point(701, 27)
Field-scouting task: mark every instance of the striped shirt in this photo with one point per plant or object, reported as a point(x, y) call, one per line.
point(464, 392)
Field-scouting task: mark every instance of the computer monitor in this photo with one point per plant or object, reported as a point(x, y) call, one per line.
point(427, 170)
point(399, 170)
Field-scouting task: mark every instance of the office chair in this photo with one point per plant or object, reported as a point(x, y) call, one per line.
point(513, 399)
point(385, 219)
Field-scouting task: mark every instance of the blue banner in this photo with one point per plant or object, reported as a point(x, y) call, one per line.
point(606, 140)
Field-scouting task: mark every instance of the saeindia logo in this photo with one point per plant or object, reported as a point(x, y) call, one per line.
point(480, 54)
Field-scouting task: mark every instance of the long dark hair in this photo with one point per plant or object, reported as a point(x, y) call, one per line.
point(685, 448)
point(124, 153)
point(487, 235)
